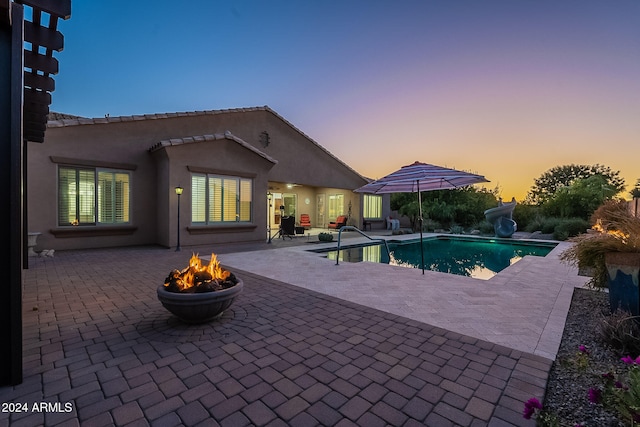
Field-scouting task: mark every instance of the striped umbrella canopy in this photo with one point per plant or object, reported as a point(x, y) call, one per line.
point(418, 177)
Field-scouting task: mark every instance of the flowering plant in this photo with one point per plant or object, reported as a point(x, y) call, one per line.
point(533, 409)
point(581, 359)
point(615, 395)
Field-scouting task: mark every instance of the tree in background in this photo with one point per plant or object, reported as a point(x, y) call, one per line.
point(580, 199)
point(461, 206)
point(548, 183)
point(635, 191)
point(406, 204)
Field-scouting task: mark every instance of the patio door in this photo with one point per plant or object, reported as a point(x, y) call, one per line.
point(290, 203)
point(336, 206)
point(320, 211)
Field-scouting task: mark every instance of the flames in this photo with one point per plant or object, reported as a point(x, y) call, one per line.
point(200, 277)
point(618, 234)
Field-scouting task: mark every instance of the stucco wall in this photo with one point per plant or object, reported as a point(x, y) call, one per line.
point(105, 146)
point(225, 157)
point(127, 140)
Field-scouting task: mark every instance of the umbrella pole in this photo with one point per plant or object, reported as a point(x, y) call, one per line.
point(420, 221)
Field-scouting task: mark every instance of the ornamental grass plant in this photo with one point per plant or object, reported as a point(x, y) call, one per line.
point(614, 229)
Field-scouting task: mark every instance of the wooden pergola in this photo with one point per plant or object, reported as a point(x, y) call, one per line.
point(26, 66)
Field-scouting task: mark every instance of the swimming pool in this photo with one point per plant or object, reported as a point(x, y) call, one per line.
point(480, 258)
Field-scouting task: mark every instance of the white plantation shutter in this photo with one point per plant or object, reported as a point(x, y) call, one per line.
point(105, 197)
point(90, 197)
point(245, 199)
point(122, 198)
point(86, 196)
point(198, 198)
point(113, 197)
point(217, 199)
point(67, 196)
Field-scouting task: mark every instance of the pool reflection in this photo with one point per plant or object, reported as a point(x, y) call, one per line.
point(481, 259)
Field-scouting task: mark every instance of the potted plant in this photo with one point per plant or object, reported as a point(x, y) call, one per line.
point(611, 250)
point(325, 237)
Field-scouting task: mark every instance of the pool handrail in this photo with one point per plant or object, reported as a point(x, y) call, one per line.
point(351, 227)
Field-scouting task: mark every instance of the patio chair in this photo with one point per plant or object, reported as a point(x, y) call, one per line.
point(287, 227)
point(392, 224)
point(305, 221)
point(340, 221)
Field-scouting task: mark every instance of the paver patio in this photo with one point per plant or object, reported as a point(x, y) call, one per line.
point(98, 343)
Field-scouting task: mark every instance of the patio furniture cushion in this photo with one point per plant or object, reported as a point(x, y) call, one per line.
point(339, 222)
point(305, 221)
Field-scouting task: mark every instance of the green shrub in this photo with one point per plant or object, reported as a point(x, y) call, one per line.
point(430, 225)
point(570, 227)
point(549, 225)
point(535, 224)
point(524, 215)
point(456, 229)
point(485, 227)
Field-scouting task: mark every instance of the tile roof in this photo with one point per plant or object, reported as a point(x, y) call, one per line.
point(202, 138)
point(119, 119)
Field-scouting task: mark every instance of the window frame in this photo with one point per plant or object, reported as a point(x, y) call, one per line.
point(367, 200)
point(97, 191)
point(228, 187)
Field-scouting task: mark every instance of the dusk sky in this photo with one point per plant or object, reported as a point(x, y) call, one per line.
point(507, 89)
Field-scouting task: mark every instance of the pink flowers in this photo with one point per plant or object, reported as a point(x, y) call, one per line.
point(530, 407)
point(619, 394)
point(630, 361)
point(595, 395)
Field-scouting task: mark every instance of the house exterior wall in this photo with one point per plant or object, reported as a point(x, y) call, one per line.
point(104, 146)
point(224, 157)
point(132, 143)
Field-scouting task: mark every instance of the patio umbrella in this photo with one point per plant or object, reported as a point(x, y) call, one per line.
point(418, 177)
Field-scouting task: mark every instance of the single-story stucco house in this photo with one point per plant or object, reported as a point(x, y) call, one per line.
point(112, 181)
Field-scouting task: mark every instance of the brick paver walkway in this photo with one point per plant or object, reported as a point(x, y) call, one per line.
point(101, 350)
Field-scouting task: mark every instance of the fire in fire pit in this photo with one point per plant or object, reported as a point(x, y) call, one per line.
point(199, 277)
point(201, 292)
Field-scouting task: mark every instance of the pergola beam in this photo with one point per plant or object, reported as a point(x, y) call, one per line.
point(25, 96)
point(58, 8)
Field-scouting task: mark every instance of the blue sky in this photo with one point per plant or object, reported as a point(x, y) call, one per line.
point(508, 89)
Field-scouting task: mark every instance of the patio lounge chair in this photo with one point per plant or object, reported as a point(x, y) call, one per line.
point(393, 224)
point(340, 221)
point(305, 221)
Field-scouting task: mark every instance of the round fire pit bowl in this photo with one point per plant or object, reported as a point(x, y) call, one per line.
point(199, 307)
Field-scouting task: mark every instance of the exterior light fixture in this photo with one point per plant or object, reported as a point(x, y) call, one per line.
point(179, 193)
point(269, 198)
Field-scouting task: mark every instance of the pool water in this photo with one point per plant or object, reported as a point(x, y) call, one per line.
point(473, 257)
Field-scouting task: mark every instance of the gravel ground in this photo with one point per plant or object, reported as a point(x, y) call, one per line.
point(568, 384)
